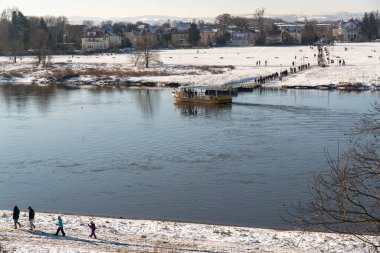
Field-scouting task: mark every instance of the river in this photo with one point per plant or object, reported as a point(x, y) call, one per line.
point(133, 153)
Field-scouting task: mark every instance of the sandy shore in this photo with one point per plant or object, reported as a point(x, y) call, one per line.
point(126, 235)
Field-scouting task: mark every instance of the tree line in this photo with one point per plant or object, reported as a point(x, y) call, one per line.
point(30, 35)
point(370, 25)
point(43, 36)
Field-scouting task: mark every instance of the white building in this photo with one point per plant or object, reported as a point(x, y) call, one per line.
point(294, 30)
point(95, 40)
point(350, 31)
point(246, 38)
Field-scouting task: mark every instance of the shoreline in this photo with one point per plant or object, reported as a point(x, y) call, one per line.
point(179, 221)
point(233, 67)
point(130, 235)
point(357, 87)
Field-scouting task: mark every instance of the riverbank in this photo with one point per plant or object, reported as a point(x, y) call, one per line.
point(126, 235)
point(229, 66)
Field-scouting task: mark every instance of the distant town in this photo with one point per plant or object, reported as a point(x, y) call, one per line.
point(20, 35)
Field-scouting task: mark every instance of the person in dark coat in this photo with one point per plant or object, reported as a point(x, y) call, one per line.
point(93, 228)
point(60, 227)
point(16, 216)
point(31, 218)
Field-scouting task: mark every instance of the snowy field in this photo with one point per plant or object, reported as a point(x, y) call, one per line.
point(227, 66)
point(124, 235)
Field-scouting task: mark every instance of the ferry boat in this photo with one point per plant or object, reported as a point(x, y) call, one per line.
point(203, 95)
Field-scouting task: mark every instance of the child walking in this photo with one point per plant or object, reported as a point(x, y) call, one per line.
point(93, 228)
point(31, 218)
point(60, 227)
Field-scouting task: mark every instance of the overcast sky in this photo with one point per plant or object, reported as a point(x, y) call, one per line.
point(184, 8)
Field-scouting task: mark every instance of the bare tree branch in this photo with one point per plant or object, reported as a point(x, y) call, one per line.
point(346, 199)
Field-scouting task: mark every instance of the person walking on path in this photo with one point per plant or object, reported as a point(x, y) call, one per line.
point(93, 228)
point(60, 227)
point(16, 216)
point(31, 218)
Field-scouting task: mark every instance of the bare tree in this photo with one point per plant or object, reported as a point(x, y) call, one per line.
point(57, 26)
point(241, 23)
point(309, 35)
point(346, 199)
point(259, 16)
point(222, 22)
point(41, 42)
point(144, 53)
point(89, 23)
point(136, 56)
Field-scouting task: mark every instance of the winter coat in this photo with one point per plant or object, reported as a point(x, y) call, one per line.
point(92, 226)
point(31, 214)
point(16, 213)
point(60, 223)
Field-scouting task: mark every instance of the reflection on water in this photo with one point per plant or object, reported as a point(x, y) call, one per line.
point(21, 97)
point(148, 100)
point(188, 109)
point(133, 153)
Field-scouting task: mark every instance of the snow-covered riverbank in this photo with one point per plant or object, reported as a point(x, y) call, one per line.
point(215, 66)
point(125, 235)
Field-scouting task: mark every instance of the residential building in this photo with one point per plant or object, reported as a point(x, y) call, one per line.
point(164, 36)
point(293, 30)
point(181, 26)
point(208, 36)
point(337, 33)
point(146, 34)
point(95, 40)
point(274, 37)
point(129, 37)
point(243, 38)
point(72, 38)
point(350, 31)
point(115, 40)
point(180, 34)
point(137, 35)
point(180, 38)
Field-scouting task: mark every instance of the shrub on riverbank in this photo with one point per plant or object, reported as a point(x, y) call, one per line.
point(63, 74)
point(12, 74)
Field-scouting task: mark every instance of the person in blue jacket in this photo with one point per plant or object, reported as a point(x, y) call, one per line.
point(60, 227)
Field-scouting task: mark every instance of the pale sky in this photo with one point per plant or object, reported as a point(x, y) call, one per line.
point(184, 8)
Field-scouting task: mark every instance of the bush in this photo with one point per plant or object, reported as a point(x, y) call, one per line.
point(12, 74)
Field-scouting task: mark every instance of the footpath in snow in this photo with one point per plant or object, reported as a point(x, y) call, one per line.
point(126, 235)
point(214, 66)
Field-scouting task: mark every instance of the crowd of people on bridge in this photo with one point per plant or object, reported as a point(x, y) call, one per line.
point(279, 75)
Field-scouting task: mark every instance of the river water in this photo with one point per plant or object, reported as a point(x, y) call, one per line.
point(133, 153)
